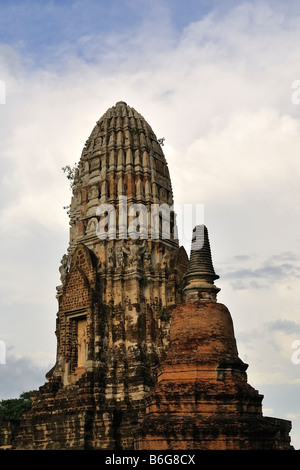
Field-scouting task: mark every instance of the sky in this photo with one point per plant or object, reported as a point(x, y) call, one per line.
point(220, 81)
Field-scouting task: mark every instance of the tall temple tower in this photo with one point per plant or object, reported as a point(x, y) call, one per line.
point(124, 268)
point(120, 279)
point(146, 356)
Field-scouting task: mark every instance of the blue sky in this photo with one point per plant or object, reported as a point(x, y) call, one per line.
point(212, 77)
point(50, 30)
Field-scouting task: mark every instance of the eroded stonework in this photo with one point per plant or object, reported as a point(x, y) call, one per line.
point(115, 298)
point(202, 399)
point(121, 380)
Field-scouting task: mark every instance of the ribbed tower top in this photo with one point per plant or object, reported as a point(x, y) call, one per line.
point(122, 127)
point(201, 275)
point(121, 157)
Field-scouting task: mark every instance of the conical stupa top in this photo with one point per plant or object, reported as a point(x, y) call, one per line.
point(200, 259)
point(200, 275)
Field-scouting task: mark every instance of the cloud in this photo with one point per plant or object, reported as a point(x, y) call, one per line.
point(253, 154)
point(21, 374)
point(256, 272)
point(263, 277)
point(219, 91)
point(287, 326)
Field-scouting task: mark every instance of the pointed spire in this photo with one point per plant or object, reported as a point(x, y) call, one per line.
point(200, 259)
point(201, 275)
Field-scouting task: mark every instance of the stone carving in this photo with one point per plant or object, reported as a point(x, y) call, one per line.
point(165, 261)
point(147, 260)
point(134, 252)
point(120, 258)
point(64, 268)
point(110, 258)
point(76, 200)
point(98, 142)
point(93, 193)
point(81, 343)
point(92, 226)
point(96, 394)
point(163, 195)
point(99, 250)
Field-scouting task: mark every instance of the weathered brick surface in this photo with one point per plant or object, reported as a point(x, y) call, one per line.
point(120, 293)
point(202, 399)
point(115, 302)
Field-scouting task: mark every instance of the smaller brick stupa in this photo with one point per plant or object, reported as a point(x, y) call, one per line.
point(202, 399)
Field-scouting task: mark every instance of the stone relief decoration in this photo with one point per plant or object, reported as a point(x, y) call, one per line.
point(64, 268)
point(110, 258)
point(98, 142)
point(92, 226)
point(99, 250)
point(120, 258)
point(76, 199)
point(93, 193)
point(163, 195)
point(165, 260)
point(134, 252)
point(147, 260)
point(81, 343)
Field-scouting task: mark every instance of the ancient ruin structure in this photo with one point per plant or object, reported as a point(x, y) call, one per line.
point(122, 378)
point(202, 399)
